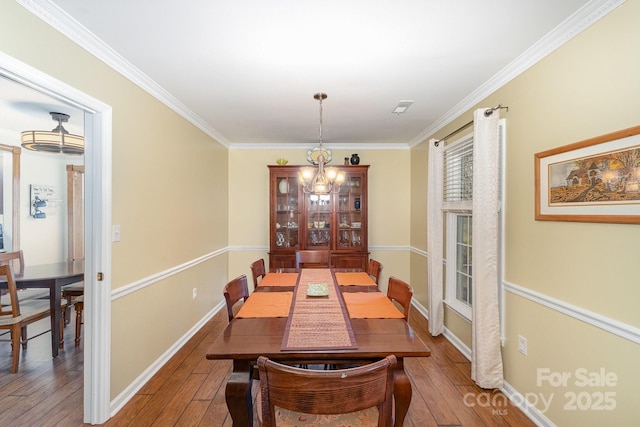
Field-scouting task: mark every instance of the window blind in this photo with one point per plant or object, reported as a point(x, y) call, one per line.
point(458, 174)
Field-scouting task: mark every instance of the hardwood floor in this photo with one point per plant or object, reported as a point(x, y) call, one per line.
point(45, 391)
point(189, 390)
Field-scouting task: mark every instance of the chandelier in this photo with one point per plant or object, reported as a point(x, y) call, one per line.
point(57, 140)
point(322, 180)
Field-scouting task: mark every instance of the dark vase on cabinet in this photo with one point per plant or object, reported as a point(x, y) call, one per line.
point(336, 222)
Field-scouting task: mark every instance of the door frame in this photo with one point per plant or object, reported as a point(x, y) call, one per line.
point(97, 156)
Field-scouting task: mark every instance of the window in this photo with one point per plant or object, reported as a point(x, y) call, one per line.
point(457, 207)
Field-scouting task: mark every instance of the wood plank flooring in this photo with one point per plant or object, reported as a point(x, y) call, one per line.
point(189, 390)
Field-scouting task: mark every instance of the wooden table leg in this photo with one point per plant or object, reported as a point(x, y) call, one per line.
point(238, 394)
point(402, 392)
point(55, 295)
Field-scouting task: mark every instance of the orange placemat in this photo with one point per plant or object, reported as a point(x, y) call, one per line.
point(317, 322)
point(279, 279)
point(370, 305)
point(358, 278)
point(266, 304)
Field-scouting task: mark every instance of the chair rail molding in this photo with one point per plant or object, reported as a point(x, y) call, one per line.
point(605, 323)
point(162, 275)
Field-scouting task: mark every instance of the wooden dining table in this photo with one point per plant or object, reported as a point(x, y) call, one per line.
point(246, 338)
point(53, 277)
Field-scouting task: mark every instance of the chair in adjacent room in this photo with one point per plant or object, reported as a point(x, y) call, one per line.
point(15, 259)
point(400, 292)
point(30, 298)
point(312, 259)
point(234, 291)
point(258, 271)
point(18, 314)
point(361, 396)
point(79, 307)
point(374, 268)
point(71, 293)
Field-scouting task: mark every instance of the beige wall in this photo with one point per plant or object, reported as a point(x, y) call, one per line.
point(178, 195)
point(588, 87)
point(170, 196)
point(389, 205)
point(418, 265)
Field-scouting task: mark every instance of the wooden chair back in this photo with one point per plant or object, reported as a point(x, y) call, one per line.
point(258, 271)
point(234, 291)
point(312, 259)
point(374, 269)
point(401, 293)
point(15, 259)
point(341, 391)
point(13, 309)
point(15, 316)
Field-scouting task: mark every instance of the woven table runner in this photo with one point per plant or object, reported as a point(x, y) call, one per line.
point(317, 322)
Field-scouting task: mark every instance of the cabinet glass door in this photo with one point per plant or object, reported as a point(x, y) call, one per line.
point(318, 221)
point(286, 227)
point(350, 213)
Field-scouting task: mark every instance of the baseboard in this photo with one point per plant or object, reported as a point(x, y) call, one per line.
point(128, 393)
point(457, 343)
point(512, 394)
point(525, 406)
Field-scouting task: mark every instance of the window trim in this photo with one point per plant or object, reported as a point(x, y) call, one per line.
point(450, 297)
point(451, 209)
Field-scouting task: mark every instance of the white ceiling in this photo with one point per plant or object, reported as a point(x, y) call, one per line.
point(248, 69)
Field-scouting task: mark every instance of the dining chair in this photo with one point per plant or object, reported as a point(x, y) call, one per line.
point(18, 314)
point(400, 292)
point(71, 293)
point(312, 259)
point(234, 291)
point(258, 271)
point(361, 396)
point(79, 307)
point(15, 259)
point(374, 268)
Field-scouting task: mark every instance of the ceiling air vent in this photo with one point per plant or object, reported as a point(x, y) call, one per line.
point(402, 106)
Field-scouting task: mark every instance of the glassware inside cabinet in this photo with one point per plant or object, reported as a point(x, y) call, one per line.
point(319, 220)
point(355, 238)
point(287, 212)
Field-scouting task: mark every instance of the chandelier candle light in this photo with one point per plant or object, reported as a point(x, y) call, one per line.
point(325, 180)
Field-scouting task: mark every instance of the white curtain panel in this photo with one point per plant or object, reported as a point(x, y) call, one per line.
point(486, 363)
point(434, 238)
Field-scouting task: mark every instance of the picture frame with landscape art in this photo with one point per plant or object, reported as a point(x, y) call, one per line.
point(595, 180)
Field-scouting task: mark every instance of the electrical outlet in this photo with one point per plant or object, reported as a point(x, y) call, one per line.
point(195, 293)
point(522, 344)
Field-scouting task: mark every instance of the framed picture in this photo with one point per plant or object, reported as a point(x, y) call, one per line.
point(596, 180)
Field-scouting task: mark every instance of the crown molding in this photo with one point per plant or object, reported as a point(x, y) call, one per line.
point(68, 26)
point(586, 16)
point(65, 24)
point(305, 146)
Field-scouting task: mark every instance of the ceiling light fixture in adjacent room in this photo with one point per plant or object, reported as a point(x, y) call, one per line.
point(57, 140)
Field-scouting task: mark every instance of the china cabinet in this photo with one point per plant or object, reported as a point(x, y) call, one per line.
point(336, 222)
